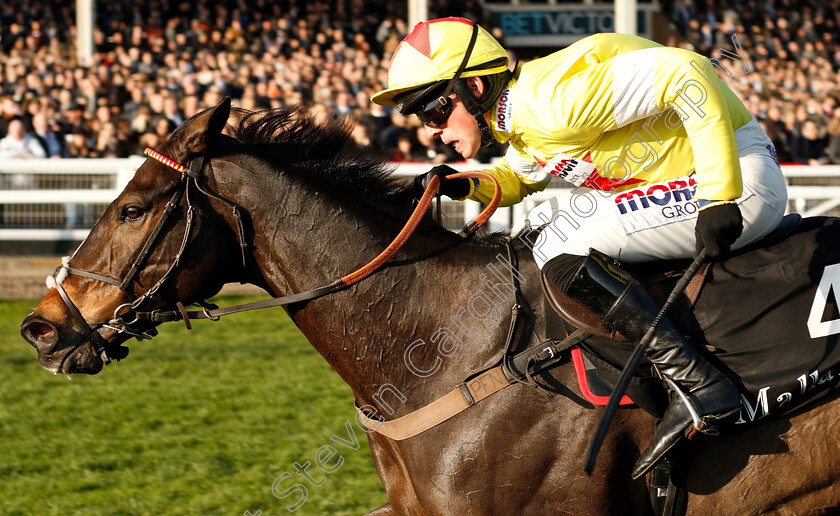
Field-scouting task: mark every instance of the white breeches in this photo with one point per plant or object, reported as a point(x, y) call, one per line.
point(656, 221)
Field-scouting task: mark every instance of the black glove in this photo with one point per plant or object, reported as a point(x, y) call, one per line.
point(717, 228)
point(453, 188)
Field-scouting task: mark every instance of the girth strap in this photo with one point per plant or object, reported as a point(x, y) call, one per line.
point(470, 392)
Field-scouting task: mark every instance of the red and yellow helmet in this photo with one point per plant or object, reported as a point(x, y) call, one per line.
point(433, 53)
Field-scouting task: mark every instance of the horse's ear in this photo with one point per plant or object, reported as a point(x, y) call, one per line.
point(219, 117)
point(199, 132)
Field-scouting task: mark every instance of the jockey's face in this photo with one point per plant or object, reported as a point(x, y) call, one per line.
point(459, 130)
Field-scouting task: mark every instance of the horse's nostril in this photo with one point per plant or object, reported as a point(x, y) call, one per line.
point(41, 330)
point(40, 334)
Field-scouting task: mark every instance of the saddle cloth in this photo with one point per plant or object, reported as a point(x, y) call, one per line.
point(768, 316)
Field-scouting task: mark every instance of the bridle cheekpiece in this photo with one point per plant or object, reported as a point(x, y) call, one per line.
point(189, 175)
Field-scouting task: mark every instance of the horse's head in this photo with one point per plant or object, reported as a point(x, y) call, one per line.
point(147, 251)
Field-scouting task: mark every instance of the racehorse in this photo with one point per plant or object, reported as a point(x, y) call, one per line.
point(289, 205)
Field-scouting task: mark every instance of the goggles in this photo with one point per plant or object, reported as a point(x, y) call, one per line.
point(435, 113)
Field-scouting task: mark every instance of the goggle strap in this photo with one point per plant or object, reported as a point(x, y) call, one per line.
point(467, 54)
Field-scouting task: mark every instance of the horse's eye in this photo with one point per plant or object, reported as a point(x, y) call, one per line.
point(132, 213)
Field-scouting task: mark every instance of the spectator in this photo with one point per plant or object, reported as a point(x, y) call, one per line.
point(151, 140)
point(73, 120)
point(787, 59)
point(172, 111)
point(18, 144)
point(50, 141)
point(388, 137)
point(774, 126)
point(142, 121)
point(808, 146)
point(360, 135)
point(432, 149)
point(163, 128)
point(148, 56)
point(9, 110)
point(404, 150)
point(109, 142)
point(79, 146)
point(190, 106)
point(833, 149)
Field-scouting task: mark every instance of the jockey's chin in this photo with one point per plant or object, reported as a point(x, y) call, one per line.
point(468, 153)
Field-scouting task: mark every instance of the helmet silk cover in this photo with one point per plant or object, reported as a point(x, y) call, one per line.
point(432, 53)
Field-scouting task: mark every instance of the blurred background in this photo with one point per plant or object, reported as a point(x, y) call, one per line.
point(86, 85)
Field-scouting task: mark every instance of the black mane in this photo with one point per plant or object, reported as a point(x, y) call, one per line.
point(323, 152)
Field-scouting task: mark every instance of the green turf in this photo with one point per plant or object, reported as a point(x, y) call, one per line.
point(198, 422)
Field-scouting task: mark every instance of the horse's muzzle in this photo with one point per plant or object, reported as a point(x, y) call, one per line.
point(40, 333)
point(60, 352)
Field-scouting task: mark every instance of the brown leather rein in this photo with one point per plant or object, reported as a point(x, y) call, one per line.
point(191, 175)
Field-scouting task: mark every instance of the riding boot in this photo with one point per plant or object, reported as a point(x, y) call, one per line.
point(694, 385)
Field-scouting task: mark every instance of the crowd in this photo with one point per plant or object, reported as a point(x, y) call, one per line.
point(792, 82)
point(159, 62)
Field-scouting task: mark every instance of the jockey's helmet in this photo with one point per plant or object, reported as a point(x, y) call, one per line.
point(434, 59)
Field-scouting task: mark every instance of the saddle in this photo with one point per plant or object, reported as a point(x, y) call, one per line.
point(789, 258)
point(746, 310)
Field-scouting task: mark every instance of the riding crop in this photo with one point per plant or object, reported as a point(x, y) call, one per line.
point(631, 365)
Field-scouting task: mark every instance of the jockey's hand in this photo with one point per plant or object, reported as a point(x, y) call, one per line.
point(718, 226)
point(453, 188)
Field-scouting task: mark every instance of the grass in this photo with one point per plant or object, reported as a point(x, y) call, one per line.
point(198, 422)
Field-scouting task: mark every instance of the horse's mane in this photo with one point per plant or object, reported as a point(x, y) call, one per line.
point(322, 151)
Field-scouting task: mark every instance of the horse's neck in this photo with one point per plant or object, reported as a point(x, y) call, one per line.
point(419, 326)
point(415, 330)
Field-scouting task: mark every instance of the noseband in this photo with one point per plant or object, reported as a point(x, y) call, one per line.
point(190, 175)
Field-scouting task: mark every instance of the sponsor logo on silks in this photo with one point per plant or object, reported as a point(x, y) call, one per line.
point(504, 112)
point(660, 194)
point(657, 204)
point(772, 151)
point(581, 172)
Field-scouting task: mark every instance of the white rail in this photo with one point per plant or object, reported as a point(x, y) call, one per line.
point(47, 200)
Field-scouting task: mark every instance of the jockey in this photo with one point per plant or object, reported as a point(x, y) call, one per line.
point(664, 159)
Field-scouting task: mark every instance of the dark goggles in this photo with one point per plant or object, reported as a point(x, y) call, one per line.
point(435, 113)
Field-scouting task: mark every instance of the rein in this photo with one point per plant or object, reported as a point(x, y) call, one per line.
point(342, 283)
point(190, 175)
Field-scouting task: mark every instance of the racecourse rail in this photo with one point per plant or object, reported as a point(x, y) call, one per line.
point(53, 200)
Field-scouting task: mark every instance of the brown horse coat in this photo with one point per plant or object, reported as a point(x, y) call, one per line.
point(315, 211)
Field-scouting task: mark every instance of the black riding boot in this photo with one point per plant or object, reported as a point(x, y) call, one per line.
point(624, 305)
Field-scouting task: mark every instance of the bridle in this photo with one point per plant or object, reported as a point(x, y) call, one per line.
point(191, 175)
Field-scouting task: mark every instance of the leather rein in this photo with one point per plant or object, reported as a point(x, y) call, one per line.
point(191, 175)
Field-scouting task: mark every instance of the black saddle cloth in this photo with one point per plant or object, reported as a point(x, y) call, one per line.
point(768, 316)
